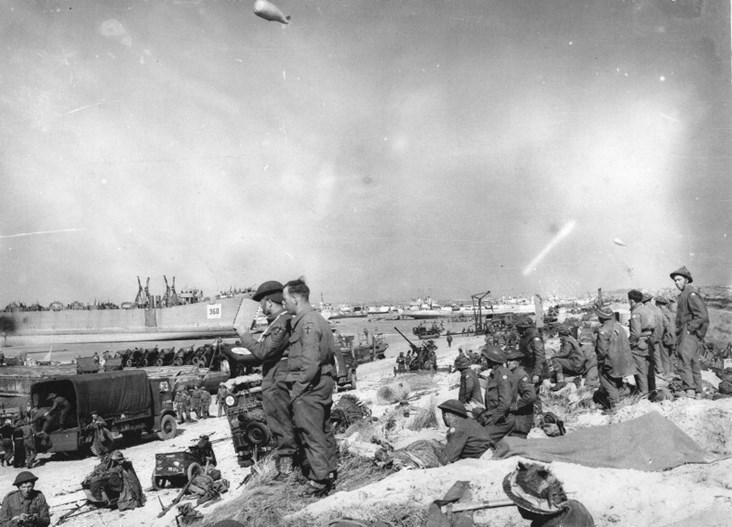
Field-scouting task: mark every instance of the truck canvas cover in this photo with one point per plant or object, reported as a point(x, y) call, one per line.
point(107, 393)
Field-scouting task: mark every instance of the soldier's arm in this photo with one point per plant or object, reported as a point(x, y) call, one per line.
point(310, 341)
point(636, 328)
point(564, 350)
point(271, 346)
point(699, 314)
point(505, 395)
point(603, 344)
point(537, 347)
point(43, 519)
point(527, 393)
point(455, 445)
point(6, 520)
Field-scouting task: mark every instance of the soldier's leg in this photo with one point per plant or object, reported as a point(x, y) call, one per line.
point(30, 456)
point(641, 369)
point(276, 405)
point(310, 411)
point(652, 365)
point(663, 361)
point(688, 354)
point(499, 431)
point(610, 387)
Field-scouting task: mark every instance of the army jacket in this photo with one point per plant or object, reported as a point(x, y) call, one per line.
point(691, 314)
point(469, 387)
point(311, 351)
point(272, 344)
point(467, 439)
point(571, 350)
point(524, 392)
point(532, 347)
point(499, 392)
point(657, 318)
point(641, 328)
point(14, 505)
point(669, 326)
point(613, 350)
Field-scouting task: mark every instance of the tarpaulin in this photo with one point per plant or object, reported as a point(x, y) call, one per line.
point(650, 443)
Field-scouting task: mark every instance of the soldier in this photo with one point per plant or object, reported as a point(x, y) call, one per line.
point(499, 394)
point(196, 401)
point(29, 442)
point(655, 341)
point(221, 399)
point(26, 506)
point(614, 358)
point(6, 437)
point(587, 345)
point(569, 359)
point(469, 383)
point(181, 405)
point(58, 413)
point(271, 349)
point(522, 404)
point(692, 322)
point(641, 334)
point(401, 361)
point(668, 338)
point(532, 347)
point(449, 339)
point(205, 404)
point(465, 437)
point(103, 439)
point(189, 403)
point(310, 381)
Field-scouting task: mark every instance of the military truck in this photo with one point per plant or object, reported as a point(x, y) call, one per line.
point(129, 401)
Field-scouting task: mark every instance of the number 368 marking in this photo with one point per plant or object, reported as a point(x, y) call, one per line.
point(214, 311)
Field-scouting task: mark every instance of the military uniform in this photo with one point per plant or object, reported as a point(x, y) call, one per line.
point(469, 384)
point(205, 403)
point(311, 358)
point(271, 349)
point(522, 404)
point(668, 341)
point(655, 341)
point(467, 439)
point(692, 322)
point(221, 400)
point(569, 359)
point(499, 394)
point(14, 505)
point(61, 407)
point(641, 344)
point(532, 347)
point(196, 401)
point(614, 358)
point(181, 405)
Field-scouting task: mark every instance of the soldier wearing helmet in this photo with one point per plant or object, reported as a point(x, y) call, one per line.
point(271, 349)
point(524, 399)
point(569, 359)
point(614, 358)
point(26, 506)
point(499, 393)
point(465, 437)
point(531, 347)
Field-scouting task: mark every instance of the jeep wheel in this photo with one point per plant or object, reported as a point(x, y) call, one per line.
point(257, 433)
point(168, 427)
point(159, 362)
point(158, 482)
point(194, 469)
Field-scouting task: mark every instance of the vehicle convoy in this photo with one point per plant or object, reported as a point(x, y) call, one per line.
point(130, 402)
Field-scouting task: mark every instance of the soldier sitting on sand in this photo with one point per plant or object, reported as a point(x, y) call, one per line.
point(465, 437)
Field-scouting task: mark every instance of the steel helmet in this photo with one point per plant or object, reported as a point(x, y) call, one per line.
point(453, 406)
point(493, 353)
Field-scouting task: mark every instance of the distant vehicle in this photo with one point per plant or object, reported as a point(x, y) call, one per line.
point(129, 401)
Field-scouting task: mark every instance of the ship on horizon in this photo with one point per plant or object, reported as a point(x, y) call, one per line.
point(173, 316)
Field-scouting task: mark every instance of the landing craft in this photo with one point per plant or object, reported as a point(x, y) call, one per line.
point(269, 11)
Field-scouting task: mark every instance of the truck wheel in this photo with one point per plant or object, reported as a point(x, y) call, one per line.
point(168, 427)
point(194, 469)
point(178, 362)
point(158, 482)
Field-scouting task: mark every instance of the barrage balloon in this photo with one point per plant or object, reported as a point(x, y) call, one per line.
point(269, 11)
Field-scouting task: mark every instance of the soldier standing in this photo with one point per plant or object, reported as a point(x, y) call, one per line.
point(668, 337)
point(181, 405)
point(522, 405)
point(196, 401)
point(310, 381)
point(614, 358)
point(655, 341)
point(641, 334)
point(205, 403)
point(221, 399)
point(532, 348)
point(271, 349)
point(692, 322)
point(449, 339)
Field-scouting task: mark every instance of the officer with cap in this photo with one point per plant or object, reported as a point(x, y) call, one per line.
point(25, 507)
point(692, 322)
point(569, 359)
point(641, 342)
point(499, 394)
point(668, 338)
point(465, 437)
point(271, 349)
point(311, 382)
point(614, 358)
point(531, 347)
point(524, 399)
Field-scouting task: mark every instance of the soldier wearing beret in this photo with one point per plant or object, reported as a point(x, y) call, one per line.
point(692, 322)
point(271, 349)
point(25, 507)
point(310, 379)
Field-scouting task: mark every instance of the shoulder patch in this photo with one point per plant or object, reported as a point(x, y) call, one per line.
point(524, 379)
point(537, 338)
point(505, 377)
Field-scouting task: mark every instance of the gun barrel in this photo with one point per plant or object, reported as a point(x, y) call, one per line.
point(405, 338)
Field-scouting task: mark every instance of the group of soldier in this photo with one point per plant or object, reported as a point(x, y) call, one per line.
point(656, 338)
point(297, 351)
point(195, 399)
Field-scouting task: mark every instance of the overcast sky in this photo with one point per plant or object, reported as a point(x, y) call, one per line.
point(380, 148)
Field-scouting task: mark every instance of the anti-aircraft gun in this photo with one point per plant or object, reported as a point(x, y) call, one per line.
point(420, 357)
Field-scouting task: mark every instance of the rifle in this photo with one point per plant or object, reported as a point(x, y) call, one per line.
point(414, 348)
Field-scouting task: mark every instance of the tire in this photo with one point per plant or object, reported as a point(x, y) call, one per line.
point(194, 469)
point(158, 482)
point(178, 362)
point(159, 362)
point(128, 363)
point(168, 427)
point(257, 433)
point(143, 363)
